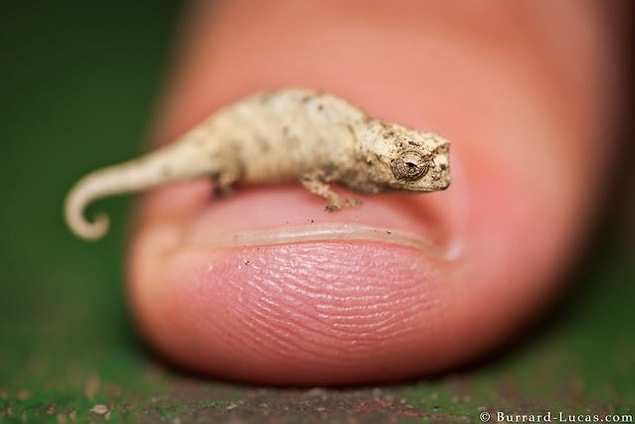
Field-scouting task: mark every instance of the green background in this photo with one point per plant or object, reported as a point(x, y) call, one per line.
point(78, 86)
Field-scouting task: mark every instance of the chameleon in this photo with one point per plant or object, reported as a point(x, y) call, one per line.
point(272, 137)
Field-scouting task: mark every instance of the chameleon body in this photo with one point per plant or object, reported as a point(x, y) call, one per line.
point(274, 137)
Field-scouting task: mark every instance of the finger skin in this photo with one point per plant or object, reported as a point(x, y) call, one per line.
point(524, 115)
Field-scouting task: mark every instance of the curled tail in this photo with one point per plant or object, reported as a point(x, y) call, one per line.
point(176, 162)
point(98, 184)
point(76, 201)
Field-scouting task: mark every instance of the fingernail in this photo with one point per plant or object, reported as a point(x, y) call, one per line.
point(322, 232)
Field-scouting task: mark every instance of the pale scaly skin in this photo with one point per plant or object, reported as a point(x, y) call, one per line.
point(273, 137)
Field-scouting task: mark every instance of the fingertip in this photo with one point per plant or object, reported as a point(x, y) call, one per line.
point(310, 313)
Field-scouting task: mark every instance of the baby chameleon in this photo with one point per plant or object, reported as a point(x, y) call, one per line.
point(273, 137)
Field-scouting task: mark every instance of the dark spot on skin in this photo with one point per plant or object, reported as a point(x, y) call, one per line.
point(370, 161)
point(292, 140)
point(320, 107)
point(353, 134)
point(305, 99)
point(329, 171)
point(412, 143)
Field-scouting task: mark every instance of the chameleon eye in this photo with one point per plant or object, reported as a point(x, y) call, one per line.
point(409, 166)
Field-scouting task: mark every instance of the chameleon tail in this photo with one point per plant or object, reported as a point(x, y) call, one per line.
point(174, 162)
point(93, 186)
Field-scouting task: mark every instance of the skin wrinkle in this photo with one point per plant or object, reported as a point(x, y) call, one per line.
point(332, 308)
point(279, 343)
point(280, 314)
point(282, 303)
point(337, 311)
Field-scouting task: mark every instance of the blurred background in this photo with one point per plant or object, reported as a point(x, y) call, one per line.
point(79, 83)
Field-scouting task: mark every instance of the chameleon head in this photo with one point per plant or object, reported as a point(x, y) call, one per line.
point(410, 160)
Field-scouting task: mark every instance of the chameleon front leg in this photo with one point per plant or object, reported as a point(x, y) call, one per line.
point(317, 182)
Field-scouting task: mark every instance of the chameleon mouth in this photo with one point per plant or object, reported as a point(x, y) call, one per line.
point(325, 232)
